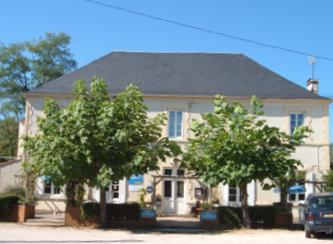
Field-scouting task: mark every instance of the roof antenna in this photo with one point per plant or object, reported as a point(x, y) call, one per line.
point(312, 62)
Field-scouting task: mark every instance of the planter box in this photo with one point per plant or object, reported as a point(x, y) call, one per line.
point(283, 220)
point(20, 213)
point(209, 218)
point(29, 211)
point(73, 217)
point(147, 214)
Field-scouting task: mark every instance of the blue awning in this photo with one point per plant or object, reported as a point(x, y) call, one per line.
point(296, 189)
point(46, 178)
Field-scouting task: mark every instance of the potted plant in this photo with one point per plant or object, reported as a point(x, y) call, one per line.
point(147, 214)
point(29, 177)
point(208, 215)
point(158, 204)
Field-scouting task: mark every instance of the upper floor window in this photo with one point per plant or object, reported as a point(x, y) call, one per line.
point(296, 119)
point(175, 127)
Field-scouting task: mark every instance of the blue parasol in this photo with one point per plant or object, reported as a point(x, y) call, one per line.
point(46, 178)
point(296, 189)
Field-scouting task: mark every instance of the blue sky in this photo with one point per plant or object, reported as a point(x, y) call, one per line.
point(95, 30)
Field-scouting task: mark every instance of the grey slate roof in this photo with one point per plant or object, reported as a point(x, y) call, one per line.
point(184, 74)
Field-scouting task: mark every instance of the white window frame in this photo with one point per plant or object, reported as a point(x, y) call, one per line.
point(115, 191)
point(237, 195)
point(297, 200)
point(168, 168)
point(174, 172)
point(175, 125)
point(297, 124)
point(53, 187)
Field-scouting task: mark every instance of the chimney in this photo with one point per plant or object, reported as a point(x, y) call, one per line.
point(312, 85)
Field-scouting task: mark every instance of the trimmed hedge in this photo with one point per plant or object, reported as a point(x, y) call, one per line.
point(260, 216)
point(17, 191)
point(125, 211)
point(7, 204)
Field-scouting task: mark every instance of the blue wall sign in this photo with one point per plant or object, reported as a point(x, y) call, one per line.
point(149, 189)
point(135, 182)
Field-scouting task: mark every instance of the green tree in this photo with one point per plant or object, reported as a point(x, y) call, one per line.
point(27, 65)
point(95, 140)
point(328, 178)
point(8, 136)
point(234, 146)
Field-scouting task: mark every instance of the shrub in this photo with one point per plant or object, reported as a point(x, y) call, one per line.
point(260, 216)
point(230, 216)
point(328, 178)
point(7, 203)
point(14, 191)
point(125, 211)
point(91, 209)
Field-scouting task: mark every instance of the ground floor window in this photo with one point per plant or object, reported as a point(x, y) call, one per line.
point(297, 196)
point(296, 193)
point(234, 195)
point(49, 187)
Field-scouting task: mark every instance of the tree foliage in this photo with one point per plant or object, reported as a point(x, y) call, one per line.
point(328, 178)
point(27, 65)
point(232, 145)
point(8, 136)
point(95, 139)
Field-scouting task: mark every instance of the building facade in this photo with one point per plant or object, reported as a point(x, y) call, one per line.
point(183, 86)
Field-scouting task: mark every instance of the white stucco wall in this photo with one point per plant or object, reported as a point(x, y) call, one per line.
point(9, 176)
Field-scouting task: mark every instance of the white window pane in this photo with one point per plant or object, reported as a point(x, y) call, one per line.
point(171, 131)
point(167, 188)
point(179, 116)
point(300, 118)
point(167, 171)
point(179, 123)
point(175, 123)
point(180, 189)
point(56, 190)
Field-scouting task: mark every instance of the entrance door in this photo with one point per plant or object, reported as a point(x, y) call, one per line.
point(168, 203)
point(180, 197)
point(174, 197)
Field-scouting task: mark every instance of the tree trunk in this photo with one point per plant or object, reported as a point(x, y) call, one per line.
point(70, 193)
point(245, 209)
point(284, 195)
point(102, 202)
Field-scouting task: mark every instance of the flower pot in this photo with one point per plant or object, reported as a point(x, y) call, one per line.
point(209, 217)
point(147, 214)
point(29, 211)
point(73, 217)
point(283, 219)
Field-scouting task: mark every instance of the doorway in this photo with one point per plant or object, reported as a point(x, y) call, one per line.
point(174, 197)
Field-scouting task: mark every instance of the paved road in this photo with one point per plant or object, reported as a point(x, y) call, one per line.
point(15, 233)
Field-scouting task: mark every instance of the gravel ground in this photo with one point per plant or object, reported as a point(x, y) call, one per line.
point(15, 233)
